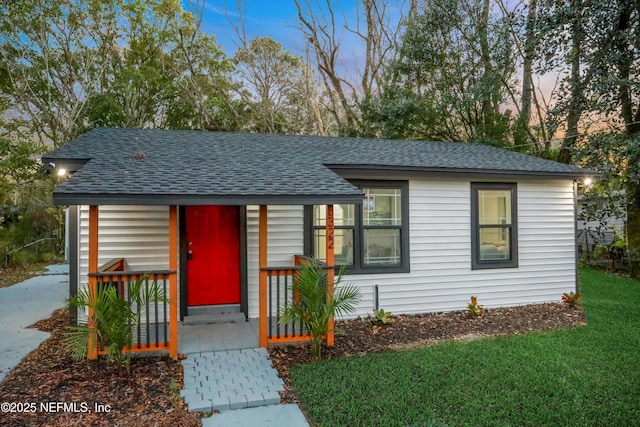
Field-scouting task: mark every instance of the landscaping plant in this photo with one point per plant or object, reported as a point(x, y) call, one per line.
point(474, 308)
point(314, 306)
point(113, 318)
point(382, 317)
point(572, 298)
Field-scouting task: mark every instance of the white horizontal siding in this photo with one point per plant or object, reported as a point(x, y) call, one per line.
point(140, 234)
point(284, 240)
point(441, 278)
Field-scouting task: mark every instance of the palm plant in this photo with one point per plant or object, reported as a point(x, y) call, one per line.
point(113, 319)
point(314, 306)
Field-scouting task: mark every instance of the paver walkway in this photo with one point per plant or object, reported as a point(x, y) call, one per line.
point(232, 379)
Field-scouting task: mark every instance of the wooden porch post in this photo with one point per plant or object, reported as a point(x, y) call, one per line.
point(173, 282)
point(331, 266)
point(92, 350)
point(262, 262)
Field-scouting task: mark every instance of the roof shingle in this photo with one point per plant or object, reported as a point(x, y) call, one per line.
point(211, 167)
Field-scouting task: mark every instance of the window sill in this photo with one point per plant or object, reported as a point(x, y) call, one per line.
point(376, 270)
point(493, 266)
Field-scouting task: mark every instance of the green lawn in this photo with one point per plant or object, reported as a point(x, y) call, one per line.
point(587, 376)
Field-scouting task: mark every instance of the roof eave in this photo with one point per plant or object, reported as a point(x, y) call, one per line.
point(61, 198)
point(419, 170)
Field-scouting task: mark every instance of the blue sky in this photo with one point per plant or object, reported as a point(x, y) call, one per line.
point(275, 19)
point(262, 18)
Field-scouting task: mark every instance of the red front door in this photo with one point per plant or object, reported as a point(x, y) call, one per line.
point(213, 263)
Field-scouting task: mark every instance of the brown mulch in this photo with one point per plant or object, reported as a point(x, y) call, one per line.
point(360, 336)
point(148, 396)
point(11, 275)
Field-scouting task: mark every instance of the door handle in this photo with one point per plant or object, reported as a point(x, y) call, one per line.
point(189, 254)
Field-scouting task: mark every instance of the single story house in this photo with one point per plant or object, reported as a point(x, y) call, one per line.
point(220, 218)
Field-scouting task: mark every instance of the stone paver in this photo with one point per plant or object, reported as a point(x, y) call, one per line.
point(230, 379)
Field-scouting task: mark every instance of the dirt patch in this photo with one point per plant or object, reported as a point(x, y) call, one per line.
point(360, 336)
point(148, 396)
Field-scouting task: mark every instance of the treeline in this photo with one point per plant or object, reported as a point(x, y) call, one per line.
point(557, 79)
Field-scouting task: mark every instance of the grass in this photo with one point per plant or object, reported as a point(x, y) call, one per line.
point(587, 376)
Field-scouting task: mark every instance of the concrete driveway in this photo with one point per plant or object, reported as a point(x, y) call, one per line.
point(22, 305)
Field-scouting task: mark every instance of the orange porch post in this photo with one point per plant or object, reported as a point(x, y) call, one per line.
point(330, 266)
point(92, 350)
point(173, 282)
point(262, 263)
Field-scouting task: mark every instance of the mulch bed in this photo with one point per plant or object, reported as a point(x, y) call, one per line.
point(9, 276)
point(148, 396)
point(361, 337)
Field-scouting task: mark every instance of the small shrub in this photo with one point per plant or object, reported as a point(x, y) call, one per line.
point(316, 305)
point(572, 298)
point(381, 317)
point(113, 318)
point(475, 309)
point(174, 390)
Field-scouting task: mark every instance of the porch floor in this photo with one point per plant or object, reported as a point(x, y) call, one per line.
point(196, 339)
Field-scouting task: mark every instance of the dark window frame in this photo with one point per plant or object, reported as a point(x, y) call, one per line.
point(476, 263)
point(359, 266)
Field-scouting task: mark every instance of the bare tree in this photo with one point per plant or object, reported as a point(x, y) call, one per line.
point(279, 91)
point(376, 27)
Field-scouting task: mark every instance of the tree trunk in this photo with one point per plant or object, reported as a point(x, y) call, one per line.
point(626, 59)
point(487, 107)
point(527, 68)
point(575, 103)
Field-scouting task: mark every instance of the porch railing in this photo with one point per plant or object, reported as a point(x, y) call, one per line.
point(153, 330)
point(279, 292)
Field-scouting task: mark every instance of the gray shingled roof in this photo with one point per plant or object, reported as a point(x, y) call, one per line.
point(195, 167)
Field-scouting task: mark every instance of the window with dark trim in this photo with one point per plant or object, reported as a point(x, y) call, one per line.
point(494, 225)
point(369, 238)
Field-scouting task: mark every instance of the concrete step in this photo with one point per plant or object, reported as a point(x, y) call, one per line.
point(288, 415)
point(209, 319)
point(213, 309)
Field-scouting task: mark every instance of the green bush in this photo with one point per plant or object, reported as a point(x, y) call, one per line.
point(315, 306)
point(34, 217)
point(381, 317)
point(113, 318)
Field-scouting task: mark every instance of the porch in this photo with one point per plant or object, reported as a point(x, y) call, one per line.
point(160, 328)
point(218, 337)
